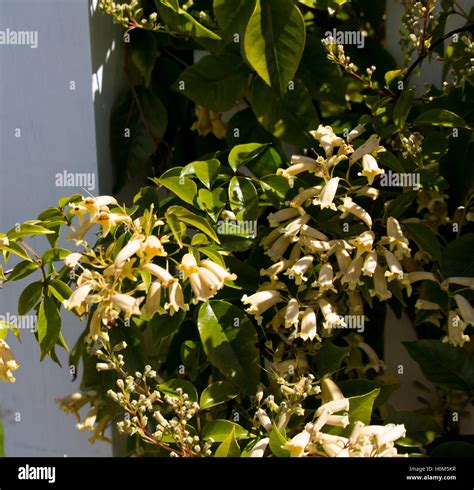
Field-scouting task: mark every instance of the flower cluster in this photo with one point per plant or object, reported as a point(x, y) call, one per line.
point(140, 279)
point(329, 272)
point(8, 363)
point(363, 440)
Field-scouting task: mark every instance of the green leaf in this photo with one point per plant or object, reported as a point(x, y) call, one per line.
point(137, 125)
point(444, 365)
point(217, 82)
point(243, 199)
point(360, 410)
point(182, 186)
point(330, 357)
point(59, 289)
point(220, 429)
point(421, 429)
point(425, 238)
point(440, 117)
point(192, 219)
point(22, 269)
point(14, 248)
point(143, 52)
point(29, 297)
point(453, 449)
point(207, 171)
point(27, 229)
point(356, 387)
point(289, 117)
point(178, 20)
point(212, 202)
point(217, 393)
point(456, 259)
point(229, 340)
point(276, 443)
point(243, 154)
point(49, 325)
point(170, 387)
point(401, 203)
point(163, 326)
point(232, 16)
point(190, 354)
point(392, 75)
point(229, 448)
point(55, 255)
point(274, 42)
point(402, 108)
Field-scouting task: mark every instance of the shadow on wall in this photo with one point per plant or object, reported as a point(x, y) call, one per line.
point(108, 80)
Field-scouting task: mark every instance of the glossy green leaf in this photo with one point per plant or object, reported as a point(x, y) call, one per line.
point(289, 117)
point(207, 171)
point(22, 269)
point(217, 393)
point(233, 16)
point(456, 258)
point(49, 326)
point(425, 238)
point(29, 297)
point(243, 199)
point(330, 357)
point(192, 219)
point(440, 117)
point(229, 448)
point(217, 82)
point(55, 255)
point(59, 289)
point(229, 340)
point(402, 108)
point(274, 42)
point(243, 154)
point(27, 229)
point(444, 365)
point(179, 20)
point(276, 443)
point(219, 430)
point(401, 203)
point(182, 186)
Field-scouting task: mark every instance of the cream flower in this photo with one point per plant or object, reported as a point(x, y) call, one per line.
point(275, 219)
point(308, 328)
point(8, 363)
point(292, 313)
point(152, 247)
point(313, 233)
point(343, 260)
point(304, 196)
point(153, 300)
point(132, 247)
point(372, 145)
point(279, 247)
point(370, 264)
point(222, 274)
point(297, 445)
point(126, 303)
point(363, 242)
point(396, 239)
point(78, 298)
point(298, 270)
point(465, 308)
point(331, 317)
point(370, 169)
point(326, 198)
point(162, 274)
point(260, 302)
point(456, 327)
point(307, 165)
point(176, 299)
point(380, 285)
point(395, 268)
point(72, 260)
point(327, 139)
point(355, 133)
point(110, 220)
point(276, 269)
point(325, 280)
point(352, 276)
point(348, 206)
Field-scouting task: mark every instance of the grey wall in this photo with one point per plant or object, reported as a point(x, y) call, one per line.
point(57, 134)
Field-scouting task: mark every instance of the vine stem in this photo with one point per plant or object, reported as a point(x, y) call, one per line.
point(468, 28)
